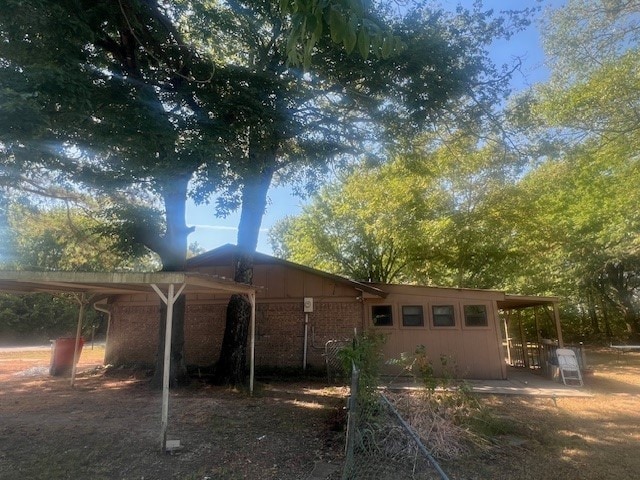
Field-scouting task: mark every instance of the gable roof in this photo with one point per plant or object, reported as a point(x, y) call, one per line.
point(225, 255)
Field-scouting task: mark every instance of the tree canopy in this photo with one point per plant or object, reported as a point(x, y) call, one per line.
point(563, 224)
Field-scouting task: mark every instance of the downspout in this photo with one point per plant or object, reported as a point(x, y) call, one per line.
point(307, 308)
point(306, 342)
point(363, 312)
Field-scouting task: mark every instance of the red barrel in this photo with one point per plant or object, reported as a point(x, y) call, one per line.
point(62, 354)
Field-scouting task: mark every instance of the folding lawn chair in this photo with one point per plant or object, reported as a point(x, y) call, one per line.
point(568, 365)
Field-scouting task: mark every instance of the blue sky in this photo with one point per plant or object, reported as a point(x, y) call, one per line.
point(211, 232)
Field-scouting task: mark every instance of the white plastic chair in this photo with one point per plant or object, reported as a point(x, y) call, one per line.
point(568, 365)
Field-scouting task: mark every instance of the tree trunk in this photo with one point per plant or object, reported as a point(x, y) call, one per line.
point(173, 253)
point(605, 318)
point(231, 367)
point(593, 315)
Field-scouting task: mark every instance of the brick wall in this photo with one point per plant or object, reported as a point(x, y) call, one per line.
point(203, 332)
point(133, 337)
point(133, 334)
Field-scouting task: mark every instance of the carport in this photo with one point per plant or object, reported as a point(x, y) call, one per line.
point(530, 352)
point(98, 285)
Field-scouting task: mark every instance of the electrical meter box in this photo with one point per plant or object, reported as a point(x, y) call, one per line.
point(308, 304)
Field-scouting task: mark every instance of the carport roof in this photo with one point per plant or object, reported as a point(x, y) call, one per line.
point(524, 301)
point(110, 283)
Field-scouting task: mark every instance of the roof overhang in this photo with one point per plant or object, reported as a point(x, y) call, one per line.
point(109, 283)
point(514, 302)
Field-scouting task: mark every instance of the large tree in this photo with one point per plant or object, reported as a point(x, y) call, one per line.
point(134, 99)
point(288, 125)
point(581, 225)
point(108, 92)
point(50, 236)
point(111, 96)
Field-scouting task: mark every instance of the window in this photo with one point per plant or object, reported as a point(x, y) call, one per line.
point(412, 316)
point(381, 315)
point(475, 315)
point(443, 316)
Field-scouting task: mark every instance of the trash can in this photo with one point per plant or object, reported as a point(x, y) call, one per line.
point(62, 355)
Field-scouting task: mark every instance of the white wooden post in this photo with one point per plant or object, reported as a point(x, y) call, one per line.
point(169, 300)
point(506, 334)
point(78, 332)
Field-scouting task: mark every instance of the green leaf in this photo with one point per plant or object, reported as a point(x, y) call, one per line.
point(336, 25)
point(364, 43)
point(351, 37)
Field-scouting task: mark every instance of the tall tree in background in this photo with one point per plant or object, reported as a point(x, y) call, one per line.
point(436, 216)
point(582, 196)
point(109, 94)
point(363, 226)
point(52, 238)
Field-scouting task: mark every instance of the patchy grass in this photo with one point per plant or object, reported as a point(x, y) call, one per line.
point(108, 427)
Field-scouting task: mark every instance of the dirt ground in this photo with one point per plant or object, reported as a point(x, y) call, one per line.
point(567, 438)
point(107, 427)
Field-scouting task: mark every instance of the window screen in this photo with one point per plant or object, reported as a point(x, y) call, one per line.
point(475, 315)
point(381, 315)
point(412, 316)
point(443, 316)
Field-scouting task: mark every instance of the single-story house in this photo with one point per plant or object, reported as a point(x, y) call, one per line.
point(300, 310)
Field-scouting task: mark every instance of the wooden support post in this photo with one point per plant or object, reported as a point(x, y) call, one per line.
point(556, 317)
point(523, 341)
point(507, 316)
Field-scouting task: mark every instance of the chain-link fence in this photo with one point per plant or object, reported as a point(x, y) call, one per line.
point(335, 369)
point(380, 444)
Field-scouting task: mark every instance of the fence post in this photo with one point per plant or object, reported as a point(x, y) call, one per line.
point(351, 423)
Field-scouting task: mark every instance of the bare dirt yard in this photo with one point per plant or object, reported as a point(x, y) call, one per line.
point(108, 425)
point(567, 438)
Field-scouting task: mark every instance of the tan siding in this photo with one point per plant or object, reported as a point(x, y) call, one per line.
point(476, 351)
point(274, 278)
point(294, 284)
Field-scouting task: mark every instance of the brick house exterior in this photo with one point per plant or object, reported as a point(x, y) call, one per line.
point(462, 324)
point(280, 319)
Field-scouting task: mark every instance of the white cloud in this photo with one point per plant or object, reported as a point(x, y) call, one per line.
point(215, 227)
point(222, 227)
